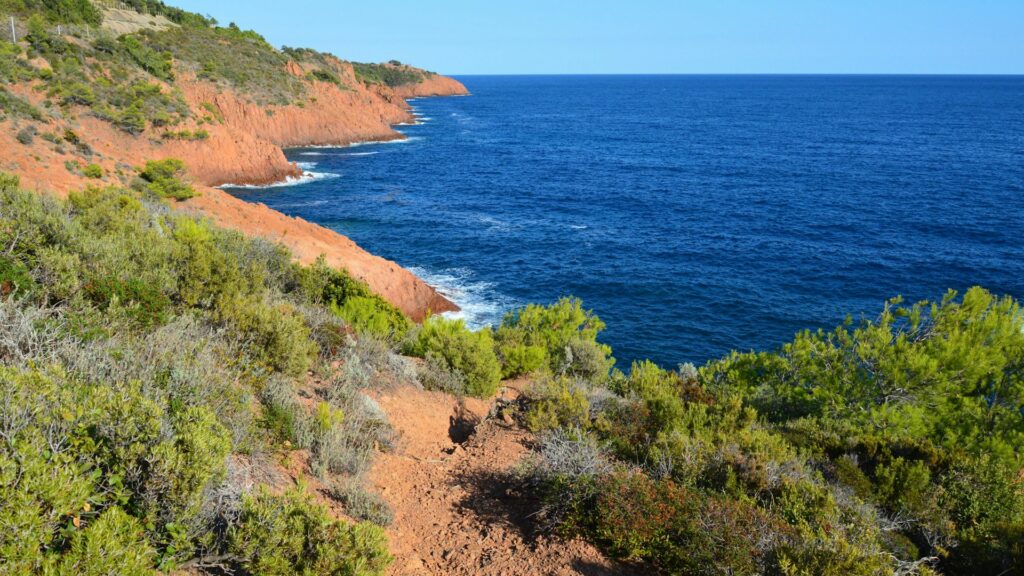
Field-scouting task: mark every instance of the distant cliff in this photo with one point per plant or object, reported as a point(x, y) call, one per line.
point(222, 100)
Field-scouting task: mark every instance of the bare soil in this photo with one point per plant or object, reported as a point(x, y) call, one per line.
point(452, 484)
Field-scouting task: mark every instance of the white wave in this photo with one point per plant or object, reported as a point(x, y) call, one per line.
point(306, 166)
point(361, 154)
point(481, 304)
point(578, 226)
point(305, 178)
point(494, 224)
point(300, 204)
point(312, 154)
point(405, 140)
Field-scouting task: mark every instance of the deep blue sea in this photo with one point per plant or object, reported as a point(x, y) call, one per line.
point(695, 214)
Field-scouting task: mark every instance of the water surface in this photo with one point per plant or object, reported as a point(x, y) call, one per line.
point(694, 214)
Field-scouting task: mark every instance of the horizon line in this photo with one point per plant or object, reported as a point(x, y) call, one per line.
point(931, 74)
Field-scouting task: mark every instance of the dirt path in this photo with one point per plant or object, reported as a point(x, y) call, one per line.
point(456, 511)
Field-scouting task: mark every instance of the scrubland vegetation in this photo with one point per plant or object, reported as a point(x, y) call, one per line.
point(151, 366)
point(151, 362)
point(884, 447)
point(149, 369)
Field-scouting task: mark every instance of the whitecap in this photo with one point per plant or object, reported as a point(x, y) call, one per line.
point(578, 226)
point(481, 304)
point(300, 204)
point(305, 178)
point(360, 153)
point(306, 166)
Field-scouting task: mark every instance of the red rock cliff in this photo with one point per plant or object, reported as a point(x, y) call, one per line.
point(244, 146)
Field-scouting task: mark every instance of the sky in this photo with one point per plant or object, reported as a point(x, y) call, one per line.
point(648, 36)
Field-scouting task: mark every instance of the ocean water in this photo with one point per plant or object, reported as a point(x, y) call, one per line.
point(695, 214)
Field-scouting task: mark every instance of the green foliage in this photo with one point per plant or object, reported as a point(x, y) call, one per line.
point(27, 135)
point(561, 338)
point(387, 74)
point(130, 368)
point(289, 534)
point(891, 447)
point(156, 63)
point(187, 135)
point(15, 278)
point(374, 316)
point(352, 301)
point(275, 330)
point(94, 171)
point(471, 353)
point(82, 449)
point(239, 59)
point(165, 179)
point(55, 11)
point(12, 105)
point(326, 76)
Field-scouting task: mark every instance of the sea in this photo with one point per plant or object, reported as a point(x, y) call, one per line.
point(696, 215)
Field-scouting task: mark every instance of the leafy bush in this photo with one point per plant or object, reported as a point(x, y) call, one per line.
point(289, 534)
point(561, 338)
point(374, 316)
point(361, 504)
point(27, 135)
point(94, 171)
point(352, 301)
point(165, 179)
point(386, 74)
point(471, 353)
point(156, 63)
point(886, 448)
point(274, 333)
point(129, 366)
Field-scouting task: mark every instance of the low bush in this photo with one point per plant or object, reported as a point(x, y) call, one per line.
point(560, 338)
point(274, 333)
point(470, 353)
point(27, 135)
point(166, 179)
point(289, 534)
point(373, 316)
point(362, 504)
point(94, 171)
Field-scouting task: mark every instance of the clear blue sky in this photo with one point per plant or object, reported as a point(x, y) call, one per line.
point(640, 36)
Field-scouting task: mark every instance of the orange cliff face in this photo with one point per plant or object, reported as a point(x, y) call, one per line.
point(244, 146)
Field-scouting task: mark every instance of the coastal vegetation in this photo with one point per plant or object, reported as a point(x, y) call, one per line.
point(162, 378)
point(143, 355)
point(886, 447)
point(147, 356)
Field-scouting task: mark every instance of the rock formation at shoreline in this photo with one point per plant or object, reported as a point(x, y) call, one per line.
point(243, 144)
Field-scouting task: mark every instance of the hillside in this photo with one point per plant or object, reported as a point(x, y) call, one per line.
point(220, 99)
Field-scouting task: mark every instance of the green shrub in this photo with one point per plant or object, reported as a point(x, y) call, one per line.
point(15, 278)
point(82, 448)
point(156, 63)
point(113, 544)
point(27, 135)
point(387, 75)
point(558, 402)
point(361, 504)
point(561, 338)
point(289, 534)
point(374, 316)
point(274, 333)
point(471, 353)
point(165, 179)
point(94, 171)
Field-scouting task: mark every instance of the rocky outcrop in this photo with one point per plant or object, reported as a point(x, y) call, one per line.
point(244, 146)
